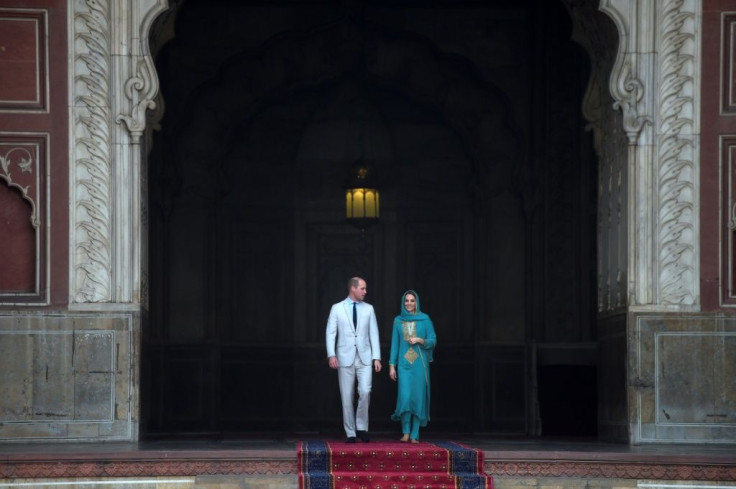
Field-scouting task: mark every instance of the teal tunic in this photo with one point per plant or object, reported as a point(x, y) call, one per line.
point(412, 364)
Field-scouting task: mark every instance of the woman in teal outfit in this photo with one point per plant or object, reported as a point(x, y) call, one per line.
point(412, 345)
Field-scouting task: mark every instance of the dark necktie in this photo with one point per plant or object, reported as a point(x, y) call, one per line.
point(355, 314)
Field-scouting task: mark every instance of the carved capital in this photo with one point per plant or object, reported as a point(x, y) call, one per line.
point(627, 91)
point(140, 90)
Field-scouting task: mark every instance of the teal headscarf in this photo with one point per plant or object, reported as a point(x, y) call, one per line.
point(406, 315)
point(417, 316)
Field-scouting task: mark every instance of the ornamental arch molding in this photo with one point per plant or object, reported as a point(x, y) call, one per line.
point(114, 87)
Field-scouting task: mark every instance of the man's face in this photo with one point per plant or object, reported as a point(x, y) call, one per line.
point(359, 291)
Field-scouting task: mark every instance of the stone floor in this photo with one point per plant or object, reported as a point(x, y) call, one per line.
point(513, 457)
point(495, 447)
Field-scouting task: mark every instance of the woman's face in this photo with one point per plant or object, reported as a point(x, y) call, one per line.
point(410, 303)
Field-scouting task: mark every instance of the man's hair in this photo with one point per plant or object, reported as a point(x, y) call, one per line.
point(354, 282)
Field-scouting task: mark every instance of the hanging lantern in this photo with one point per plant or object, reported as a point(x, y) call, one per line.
point(362, 200)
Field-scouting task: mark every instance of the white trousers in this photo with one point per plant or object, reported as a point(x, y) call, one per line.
point(353, 419)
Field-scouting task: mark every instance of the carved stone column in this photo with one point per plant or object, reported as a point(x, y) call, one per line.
point(655, 82)
point(114, 83)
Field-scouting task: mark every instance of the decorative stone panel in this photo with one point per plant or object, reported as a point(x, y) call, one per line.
point(24, 255)
point(682, 379)
point(727, 157)
point(24, 64)
point(728, 69)
point(68, 377)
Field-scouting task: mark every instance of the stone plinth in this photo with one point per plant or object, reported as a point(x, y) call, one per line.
point(69, 377)
point(681, 378)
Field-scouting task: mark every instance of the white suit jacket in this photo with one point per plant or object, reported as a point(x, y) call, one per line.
point(344, 340)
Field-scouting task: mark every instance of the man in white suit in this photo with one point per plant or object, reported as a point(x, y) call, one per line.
point(353, 324)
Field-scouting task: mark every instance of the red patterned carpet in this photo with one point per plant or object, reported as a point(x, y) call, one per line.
point(390, 465)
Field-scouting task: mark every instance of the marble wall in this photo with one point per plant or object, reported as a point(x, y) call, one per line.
point(681, 378)
point(68, 376)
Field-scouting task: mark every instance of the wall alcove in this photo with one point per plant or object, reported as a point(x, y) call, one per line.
point(18, 252)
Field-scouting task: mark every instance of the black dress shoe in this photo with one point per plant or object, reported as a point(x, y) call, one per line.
point(363, 435)
point(350, 439)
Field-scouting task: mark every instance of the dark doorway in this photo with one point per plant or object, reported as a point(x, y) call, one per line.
point(568, 397)
point(470, 114)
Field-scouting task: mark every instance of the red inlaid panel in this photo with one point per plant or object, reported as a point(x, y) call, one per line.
point(728, 203)
point(21, 166)
point(717, 156)
point(728, 74)
point(22, 59)
point(34, 153)
point(23, 189)
point(18, 250)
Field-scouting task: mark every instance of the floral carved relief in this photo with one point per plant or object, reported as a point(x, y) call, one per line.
point(91, 154)
point(19, 169)
point(676, 165)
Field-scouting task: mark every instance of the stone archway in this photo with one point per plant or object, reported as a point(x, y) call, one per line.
point(213, 172)
point(410, 71)
point(107, 151)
